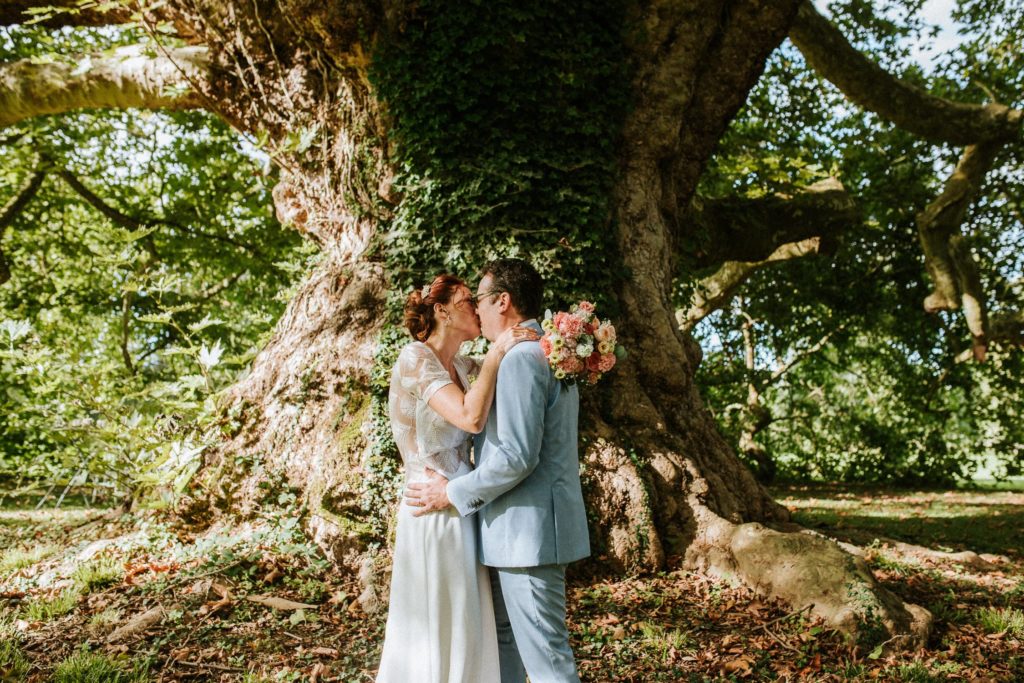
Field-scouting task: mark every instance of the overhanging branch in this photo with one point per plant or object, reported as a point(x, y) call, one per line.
point(746, 235)
point(949, 261)
point(715, 291)
point(751, 230)
point(129, 79)
point(115, 216)
point(11, 211)
point(57, 13)
point(1006, 328)
point(132, 223)
point(830, 54)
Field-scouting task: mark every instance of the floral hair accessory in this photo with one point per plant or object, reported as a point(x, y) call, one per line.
point(425, 292)
point(579, 346)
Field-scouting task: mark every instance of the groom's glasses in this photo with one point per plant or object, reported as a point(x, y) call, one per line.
point(477, 297)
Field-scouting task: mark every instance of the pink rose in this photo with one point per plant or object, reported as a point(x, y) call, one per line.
point(607, 362)
point(586, 306)
point(571, 326)
point(545, 345)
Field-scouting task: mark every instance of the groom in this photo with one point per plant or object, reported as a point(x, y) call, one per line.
point(525, 488)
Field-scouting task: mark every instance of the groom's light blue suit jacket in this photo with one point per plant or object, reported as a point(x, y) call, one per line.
point(526, 485)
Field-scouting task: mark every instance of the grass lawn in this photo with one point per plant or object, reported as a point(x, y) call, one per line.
point(87, 597)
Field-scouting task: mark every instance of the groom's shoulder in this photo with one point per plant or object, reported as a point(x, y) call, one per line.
point(526, 356)
point(527, 351)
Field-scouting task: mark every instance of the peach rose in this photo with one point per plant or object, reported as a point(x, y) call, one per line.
point(605, 332)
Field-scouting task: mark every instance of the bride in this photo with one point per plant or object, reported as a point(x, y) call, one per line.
point(440, 626)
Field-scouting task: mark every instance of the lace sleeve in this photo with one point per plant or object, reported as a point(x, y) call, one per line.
point(422, 374)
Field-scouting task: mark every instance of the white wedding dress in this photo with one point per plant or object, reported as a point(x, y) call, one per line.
point(440, 626)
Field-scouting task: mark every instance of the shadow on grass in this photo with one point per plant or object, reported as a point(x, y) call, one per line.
point(999, 533)
point(983, 521)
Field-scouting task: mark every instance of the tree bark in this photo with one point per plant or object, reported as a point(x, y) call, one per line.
point(752, 230)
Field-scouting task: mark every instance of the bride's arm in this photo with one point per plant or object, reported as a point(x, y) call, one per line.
point(468, 411)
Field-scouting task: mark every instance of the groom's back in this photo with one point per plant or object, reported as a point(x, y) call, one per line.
point(542, 520)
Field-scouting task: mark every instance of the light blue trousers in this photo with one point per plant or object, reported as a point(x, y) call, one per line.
point(529, 607)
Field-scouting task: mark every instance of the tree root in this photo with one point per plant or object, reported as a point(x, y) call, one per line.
point(808, 572)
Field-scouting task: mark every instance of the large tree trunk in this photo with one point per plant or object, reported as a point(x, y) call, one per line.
point(662, 485)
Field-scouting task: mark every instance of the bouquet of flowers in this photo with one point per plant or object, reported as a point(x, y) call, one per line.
point(579, 346)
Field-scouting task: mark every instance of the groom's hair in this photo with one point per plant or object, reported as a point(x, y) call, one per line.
point(520, 280)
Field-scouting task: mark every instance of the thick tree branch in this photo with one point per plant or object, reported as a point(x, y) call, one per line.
point(64, 13)
point(127, 80)
point(11, 211)
point(746, 235)
point(911, 108)
point(948, 260)
point(728, 70)
point(752, 229)
point(1006, 328)
point(715, 291)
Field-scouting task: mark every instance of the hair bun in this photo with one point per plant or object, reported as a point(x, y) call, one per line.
point(419, 305)
point(416, 318)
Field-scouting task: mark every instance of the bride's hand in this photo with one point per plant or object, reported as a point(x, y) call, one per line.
point(512, 336)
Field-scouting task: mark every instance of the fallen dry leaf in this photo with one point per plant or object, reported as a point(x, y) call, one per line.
point(740, 665)
point(221, 590)
point(138, 623)
point(278, 603)
point(318, 671)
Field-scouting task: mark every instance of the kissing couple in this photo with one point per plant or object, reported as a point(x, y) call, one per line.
point(481, 547)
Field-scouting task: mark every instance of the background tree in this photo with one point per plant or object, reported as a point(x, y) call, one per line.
point(888, 397)
point(417, 136)
point(135, 291)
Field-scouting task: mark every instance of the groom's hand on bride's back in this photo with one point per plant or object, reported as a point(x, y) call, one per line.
point(428, 496)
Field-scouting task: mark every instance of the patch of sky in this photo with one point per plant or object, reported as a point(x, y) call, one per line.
point(940, 35)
